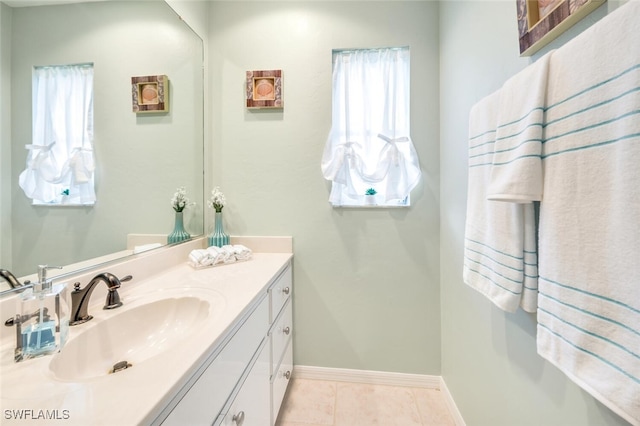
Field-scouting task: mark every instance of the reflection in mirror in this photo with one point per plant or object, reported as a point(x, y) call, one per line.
point(140, 159)
point(60, 165)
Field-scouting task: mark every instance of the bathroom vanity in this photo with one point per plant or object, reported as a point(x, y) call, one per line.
point(205, 346)
point(247, 374)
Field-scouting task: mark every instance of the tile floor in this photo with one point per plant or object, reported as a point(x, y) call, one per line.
point(319, 402)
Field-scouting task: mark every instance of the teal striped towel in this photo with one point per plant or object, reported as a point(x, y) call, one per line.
point(589, 244)
point(494, 252)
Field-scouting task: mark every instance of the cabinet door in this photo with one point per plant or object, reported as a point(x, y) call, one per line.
point(280, 334)
point(280, 381)
point(279, 293)
point(251, 407)
point(205, 399)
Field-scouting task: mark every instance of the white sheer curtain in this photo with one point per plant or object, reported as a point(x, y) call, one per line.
point(60, 161)
point(369, 145)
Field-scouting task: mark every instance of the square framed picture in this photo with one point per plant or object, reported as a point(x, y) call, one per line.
point(150, 93)
point(541, 21)
point(264, 89)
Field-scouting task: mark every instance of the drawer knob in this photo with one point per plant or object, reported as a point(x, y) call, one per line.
point(287, 375)
point(238, 418)
point(286, 330)
point(286, 290)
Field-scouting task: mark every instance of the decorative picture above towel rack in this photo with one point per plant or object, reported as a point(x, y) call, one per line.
point(541, 21)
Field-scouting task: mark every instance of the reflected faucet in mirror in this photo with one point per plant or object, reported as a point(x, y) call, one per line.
point(11, 279)
point(80, 297)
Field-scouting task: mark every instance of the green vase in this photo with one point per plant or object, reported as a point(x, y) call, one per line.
point(179, 233)
point(218, 237)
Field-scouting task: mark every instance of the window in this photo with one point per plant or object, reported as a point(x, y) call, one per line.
point(60, 162)
point(369, 156)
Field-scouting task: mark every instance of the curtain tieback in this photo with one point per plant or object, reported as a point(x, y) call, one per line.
point(349, 153)
point(41, 155)
point(395, 153)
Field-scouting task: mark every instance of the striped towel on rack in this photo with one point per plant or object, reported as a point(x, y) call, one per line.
point(494, 257)
point(589, 243)
point(516, 172)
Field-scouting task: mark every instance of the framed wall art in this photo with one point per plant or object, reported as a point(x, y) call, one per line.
point(264, 89)
point(150, 93)
point(541, 21)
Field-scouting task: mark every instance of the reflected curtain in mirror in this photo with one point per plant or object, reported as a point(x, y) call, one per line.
point(60, 163)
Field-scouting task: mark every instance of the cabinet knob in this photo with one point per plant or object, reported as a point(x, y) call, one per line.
point(238, 418)
point(286, 330)
point(287, 375)
point(286, 290)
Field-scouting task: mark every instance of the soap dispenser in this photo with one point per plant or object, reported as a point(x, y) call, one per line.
point(42, 321)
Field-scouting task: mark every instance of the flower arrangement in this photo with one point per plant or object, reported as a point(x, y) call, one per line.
point(371, 191)
point(217, 200)
point(180, 200)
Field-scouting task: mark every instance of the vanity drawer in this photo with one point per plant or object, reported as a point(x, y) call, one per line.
point(204, 401)
point(280, 381)
point(281, 333)
point(251, 406)
point(279, 293)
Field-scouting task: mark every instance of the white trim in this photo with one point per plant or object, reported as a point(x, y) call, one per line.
point(451, 404)
point(366, 376)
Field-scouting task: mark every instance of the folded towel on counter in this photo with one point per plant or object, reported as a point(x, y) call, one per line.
point(589, 301)
point(225, 254)
point(241, 252)
point(214, 256)
point(199, 257)
point(494, 255)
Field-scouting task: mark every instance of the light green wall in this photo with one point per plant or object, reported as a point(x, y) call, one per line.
point(367, 281)
point(489, 359)
point(5, 134)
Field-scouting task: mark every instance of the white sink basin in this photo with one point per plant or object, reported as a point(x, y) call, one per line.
point(129, 337)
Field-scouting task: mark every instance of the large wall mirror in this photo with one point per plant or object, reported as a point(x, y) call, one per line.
point(141, 159)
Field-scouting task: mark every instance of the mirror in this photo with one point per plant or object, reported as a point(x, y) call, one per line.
point(141, 159)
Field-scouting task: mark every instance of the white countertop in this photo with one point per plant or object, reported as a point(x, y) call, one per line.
point(136, 395)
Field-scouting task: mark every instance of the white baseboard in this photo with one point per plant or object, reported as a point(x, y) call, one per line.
point(381, 378)
point(366, 376)
point(453, 408)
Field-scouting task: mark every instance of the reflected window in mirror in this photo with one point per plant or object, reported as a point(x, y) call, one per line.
point(60, 163)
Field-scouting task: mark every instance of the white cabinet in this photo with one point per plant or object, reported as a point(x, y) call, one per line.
point(280, 337)
point(251, 406)
point(282, 360)
point(244, 380)
point(205, 399)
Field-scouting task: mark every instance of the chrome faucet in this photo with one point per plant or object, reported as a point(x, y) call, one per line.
point(80, 297)
point(10, 278)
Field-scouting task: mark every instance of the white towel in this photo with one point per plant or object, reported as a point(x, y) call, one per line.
point(228, 256)
point(516, 171)
point(494, 257)
point(241, 252)
point(589, 244)
point(200, 257)
point(214, 256)
point(516, 174)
